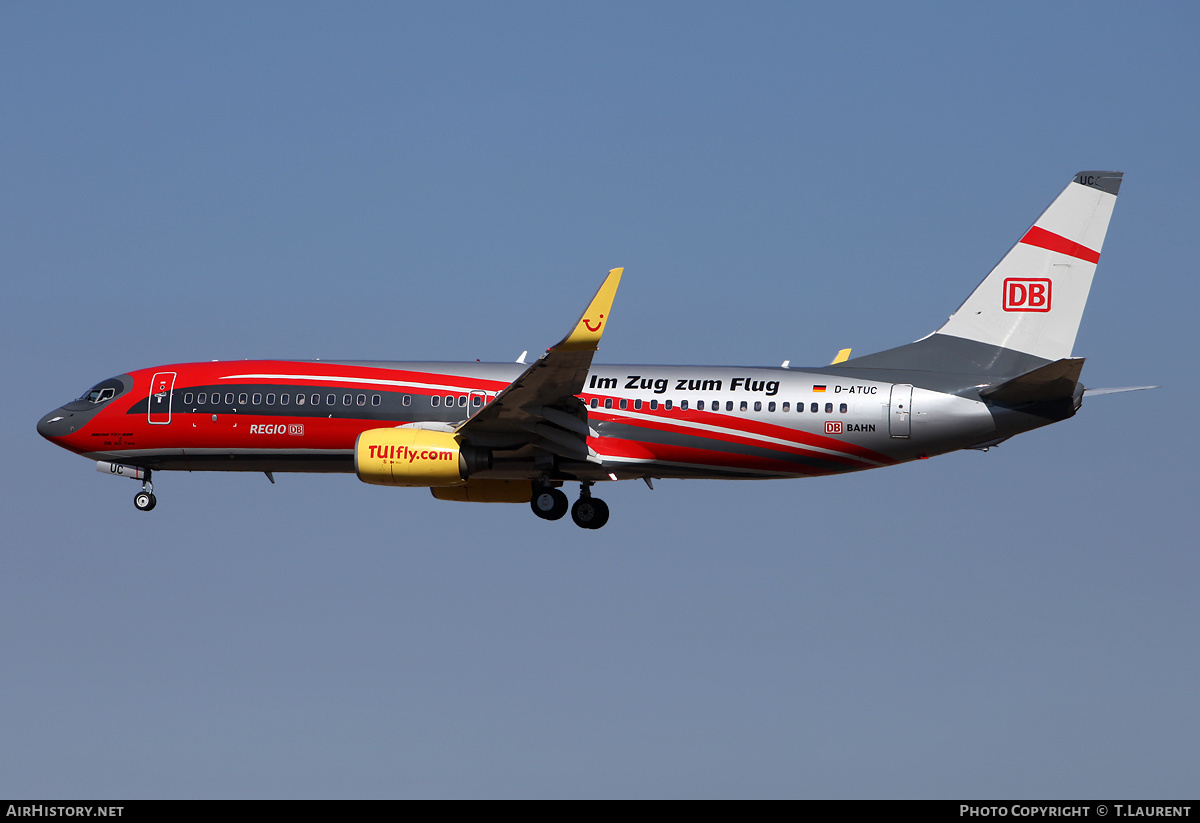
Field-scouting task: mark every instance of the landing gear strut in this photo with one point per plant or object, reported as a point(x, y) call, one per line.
point(589, 512)
point(145, 500)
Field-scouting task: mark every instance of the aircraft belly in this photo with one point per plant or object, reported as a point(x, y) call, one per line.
point(233, 460)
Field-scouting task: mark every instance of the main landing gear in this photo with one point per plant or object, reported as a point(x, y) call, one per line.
point(588, 512)
point(548, 503)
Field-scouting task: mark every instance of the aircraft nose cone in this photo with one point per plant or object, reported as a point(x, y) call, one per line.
point(57, 423)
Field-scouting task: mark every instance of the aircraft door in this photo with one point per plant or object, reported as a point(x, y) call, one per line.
point(161, 387)
point(900, 410)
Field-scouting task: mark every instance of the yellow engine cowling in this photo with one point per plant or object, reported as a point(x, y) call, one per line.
point(487, 491)
point(414, 457)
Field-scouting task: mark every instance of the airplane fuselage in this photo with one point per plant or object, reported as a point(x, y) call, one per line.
point(645, 421)
point(516, 432)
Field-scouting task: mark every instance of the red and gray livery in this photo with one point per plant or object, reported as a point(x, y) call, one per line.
point(515, 432)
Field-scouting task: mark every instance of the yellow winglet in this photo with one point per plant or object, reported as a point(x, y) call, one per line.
point(590, 328)
point(842, 357)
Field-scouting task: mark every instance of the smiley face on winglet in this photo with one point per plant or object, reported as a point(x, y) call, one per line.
point(587, 332)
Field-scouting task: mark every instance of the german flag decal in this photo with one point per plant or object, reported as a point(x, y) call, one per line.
point(818, 389)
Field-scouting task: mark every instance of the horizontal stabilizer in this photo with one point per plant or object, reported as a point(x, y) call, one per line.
point(1053, 381)
point(1123, 389)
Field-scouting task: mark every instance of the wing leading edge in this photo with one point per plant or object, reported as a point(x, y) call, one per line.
point(540, 408)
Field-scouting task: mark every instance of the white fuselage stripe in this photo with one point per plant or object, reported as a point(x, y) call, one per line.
point(633, 415)
point(333, 379)
point(762, 438)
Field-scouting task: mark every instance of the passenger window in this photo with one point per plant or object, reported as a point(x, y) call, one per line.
point(243, 398)
point(667, 405)
point(653, 405)
point(814, 408)
point(771, 406)
point(347, 400)
point(595, 402)
point(462, 400)
point(728, 405)
point(683, 405)
point(449, 400)
point(408, 399)
point(283, 399)
point(829, 408)
point(699, 405)
point(637, 405)
point(477, 400)
point(842, 408)
point(758, 405)
point(315, 399)
point(624, 404)
point(257, 399)
point(331, 400)
point(201, 398)
point(435, 401)
point(300, 399)
point(608, 402)
point(187, 399)
point(786, 406)
point(743, 406)
point(376, 400)
point(362, 400)
point(271, 399)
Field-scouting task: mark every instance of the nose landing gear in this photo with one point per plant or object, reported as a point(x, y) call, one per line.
point(145, 500)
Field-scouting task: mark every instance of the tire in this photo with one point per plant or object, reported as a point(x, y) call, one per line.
point(549, 504)
point(589, 513)
point(144, 501)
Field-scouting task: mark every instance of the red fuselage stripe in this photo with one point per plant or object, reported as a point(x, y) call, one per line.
point(730, 437)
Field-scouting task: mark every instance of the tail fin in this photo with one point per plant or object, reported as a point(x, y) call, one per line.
point(1033, 300)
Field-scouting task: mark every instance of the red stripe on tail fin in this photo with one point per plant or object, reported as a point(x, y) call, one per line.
point(1056, 242)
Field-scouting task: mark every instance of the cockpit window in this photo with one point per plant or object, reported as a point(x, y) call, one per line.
point(102, 392)
point(100, 395)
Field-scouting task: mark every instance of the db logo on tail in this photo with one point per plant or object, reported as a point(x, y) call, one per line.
point(1027, 294)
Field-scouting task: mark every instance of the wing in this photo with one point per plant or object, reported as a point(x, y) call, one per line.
point(540, 408)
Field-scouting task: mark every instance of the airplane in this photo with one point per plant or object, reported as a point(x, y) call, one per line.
point(517, 432)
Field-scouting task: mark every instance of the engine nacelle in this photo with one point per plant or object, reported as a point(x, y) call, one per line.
point(487, 491)
point(414, 457)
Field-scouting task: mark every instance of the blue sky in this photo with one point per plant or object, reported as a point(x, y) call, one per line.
point(452, 181)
